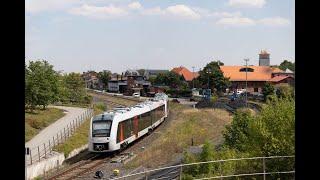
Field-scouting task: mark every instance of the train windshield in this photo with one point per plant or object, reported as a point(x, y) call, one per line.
point(101, 128)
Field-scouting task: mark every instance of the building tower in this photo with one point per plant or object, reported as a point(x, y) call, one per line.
point(264, 58)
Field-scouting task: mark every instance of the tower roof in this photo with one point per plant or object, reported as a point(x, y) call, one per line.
point(263, 52)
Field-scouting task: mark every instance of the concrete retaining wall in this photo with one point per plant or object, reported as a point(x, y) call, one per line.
point(56, 159)
point(37, 169)
point(77, 151)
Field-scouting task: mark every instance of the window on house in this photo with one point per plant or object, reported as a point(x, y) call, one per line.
point(246, 69)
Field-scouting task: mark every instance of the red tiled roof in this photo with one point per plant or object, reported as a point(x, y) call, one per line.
point(279, 78)
point(260, 73)
point(188, 75)
point(277, 70)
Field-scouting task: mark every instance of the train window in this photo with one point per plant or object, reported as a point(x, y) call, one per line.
point(101, 128)
point(144, 121)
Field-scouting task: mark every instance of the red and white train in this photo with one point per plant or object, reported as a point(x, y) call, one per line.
point(116, 129)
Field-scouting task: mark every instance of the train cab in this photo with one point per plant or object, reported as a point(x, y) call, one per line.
point(100, 132)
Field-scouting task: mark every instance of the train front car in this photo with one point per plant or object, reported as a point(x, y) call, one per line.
point(100, 131)
point(116, 129)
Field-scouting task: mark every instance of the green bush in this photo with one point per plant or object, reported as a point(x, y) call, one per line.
point(101, 106)
point(267, 90)
point(179, 92)
point(237, 132)
point(285, 91)
point(213, 99)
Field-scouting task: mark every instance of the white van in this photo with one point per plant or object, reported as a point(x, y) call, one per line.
point(136, 95)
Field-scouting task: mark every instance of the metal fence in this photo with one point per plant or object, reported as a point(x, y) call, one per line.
point(44, 150)
point(178, 171)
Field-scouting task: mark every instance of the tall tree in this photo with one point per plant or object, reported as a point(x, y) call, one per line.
point(170, 79)
point(75, 86)
point(213, 76)
point(287, 65)
point(41, 84)
point(104, 76)
point(267, 90)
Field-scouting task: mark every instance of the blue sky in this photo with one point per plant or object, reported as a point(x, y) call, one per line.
point(81, 35)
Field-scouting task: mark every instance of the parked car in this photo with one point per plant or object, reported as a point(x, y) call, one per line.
point(240, 91)
point(136, 95)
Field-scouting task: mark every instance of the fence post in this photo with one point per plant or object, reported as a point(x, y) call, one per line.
point(30, 157)
point(64, 132)
point(71, 128)
point(39, 153)
point(61, 136)
point(264, 168)
point(53, 141)
point(220, 168)
point(68, 129)
point(45, 151)
point(180, 172)
point(57, 164)
point(145, 174)
point(49, 147)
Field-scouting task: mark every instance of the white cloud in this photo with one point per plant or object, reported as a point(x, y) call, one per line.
point(153, 11)
point(225, 14)
point(36, 6)
point(236, 21)
point(182, 11)
point(135, 5)
point(274, 21)
point(247, 3)
point(102, 12)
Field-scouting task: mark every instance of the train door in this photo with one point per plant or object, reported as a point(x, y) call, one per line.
point(136, 126)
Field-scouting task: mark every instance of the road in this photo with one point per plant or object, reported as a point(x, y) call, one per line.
point(52, 130)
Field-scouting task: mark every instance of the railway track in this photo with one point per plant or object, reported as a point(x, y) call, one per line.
point(81, 167)
point(92, 161)
point(171, 173)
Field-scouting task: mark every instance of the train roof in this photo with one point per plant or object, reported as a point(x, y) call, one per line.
point(123, 112)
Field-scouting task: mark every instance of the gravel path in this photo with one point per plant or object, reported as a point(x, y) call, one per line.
point(52, 130)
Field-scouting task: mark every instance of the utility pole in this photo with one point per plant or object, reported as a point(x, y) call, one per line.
point(209, 90)
point(193, 77)
point(246, 81)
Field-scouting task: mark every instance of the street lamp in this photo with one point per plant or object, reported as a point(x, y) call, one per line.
point(208, 90)
point(208, 71)
point(246, 81)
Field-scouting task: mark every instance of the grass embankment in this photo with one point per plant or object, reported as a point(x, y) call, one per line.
point(79, 138)
point(39, 119)
point(186, 123)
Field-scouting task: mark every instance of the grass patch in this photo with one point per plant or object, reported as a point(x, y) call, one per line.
point(78, 139)
point(187, 123)
point(39, 119)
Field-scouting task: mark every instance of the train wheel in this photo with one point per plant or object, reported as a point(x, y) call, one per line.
point(123, 146)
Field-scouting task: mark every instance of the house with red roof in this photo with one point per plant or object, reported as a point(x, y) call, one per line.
point(256, 77)
point(187, 75)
